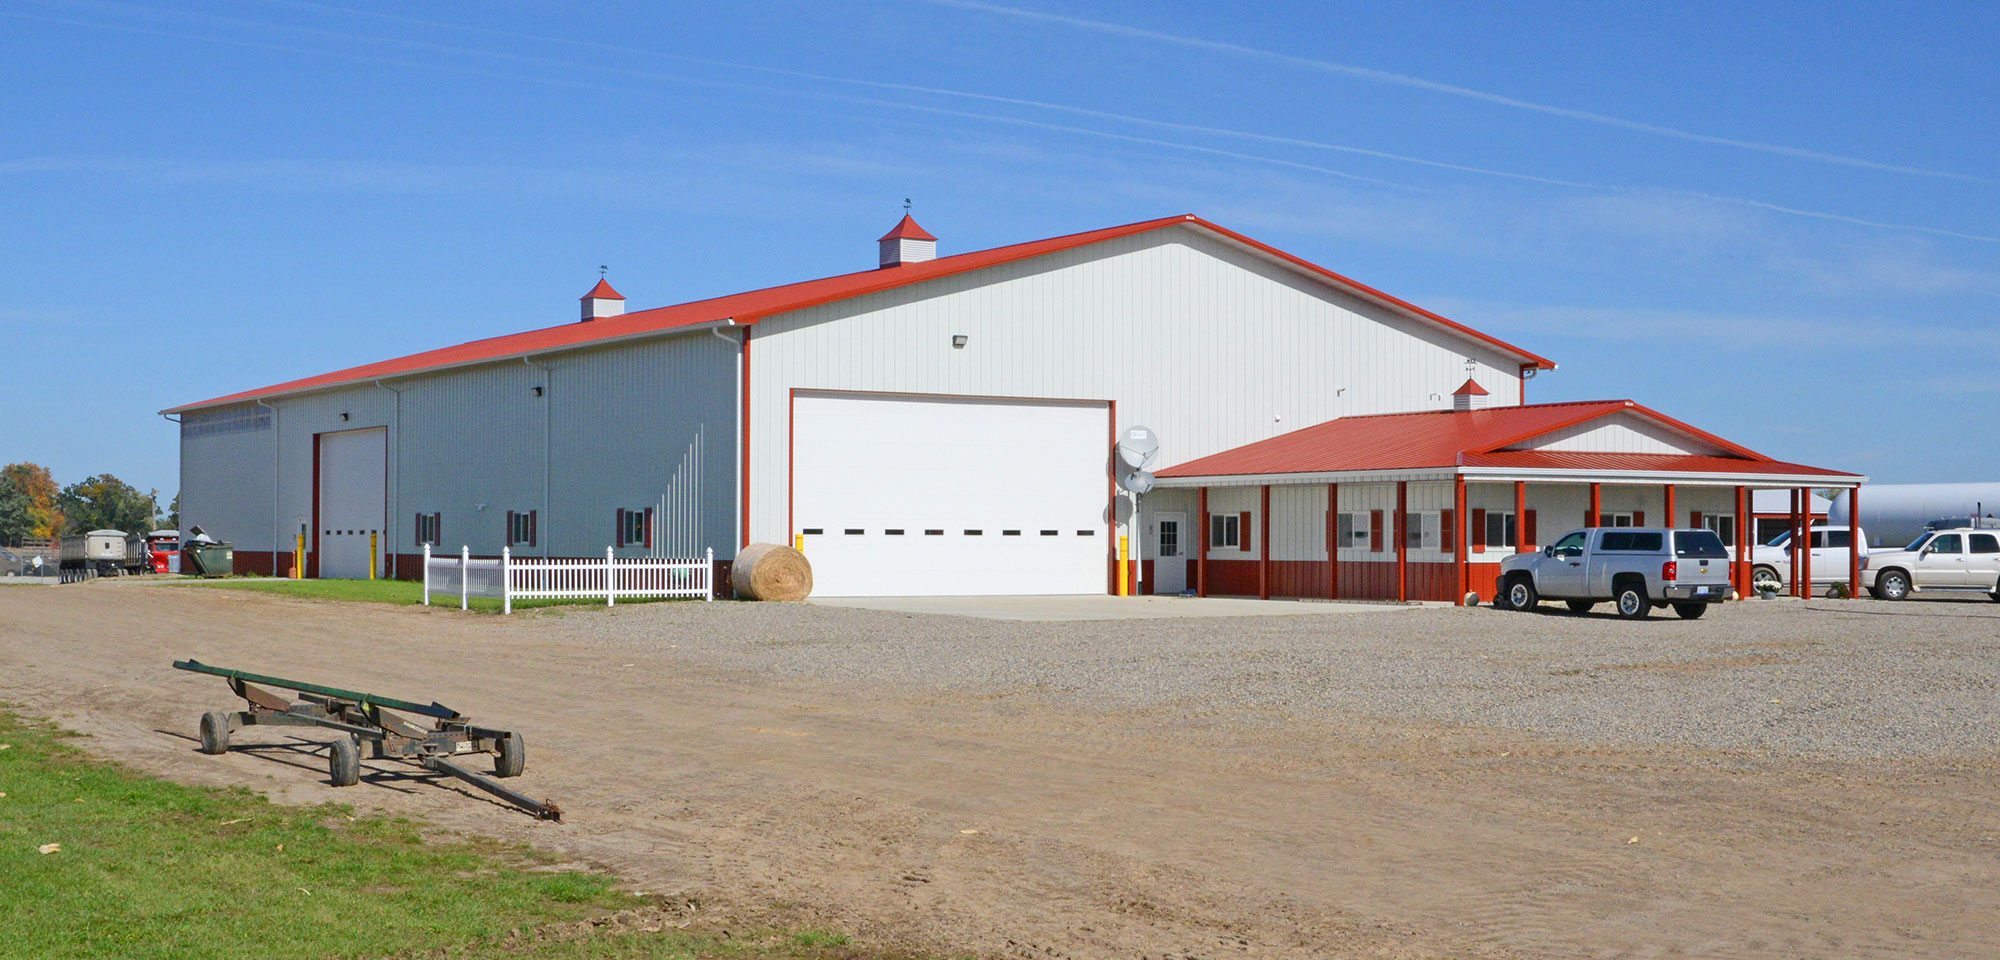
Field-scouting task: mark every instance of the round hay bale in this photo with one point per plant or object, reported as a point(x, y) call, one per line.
point(771, 571)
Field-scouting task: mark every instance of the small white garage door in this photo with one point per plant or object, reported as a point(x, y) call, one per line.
point(935, 496)
point(353, 475)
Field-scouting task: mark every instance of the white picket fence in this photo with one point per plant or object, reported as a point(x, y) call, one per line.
point(512, 578)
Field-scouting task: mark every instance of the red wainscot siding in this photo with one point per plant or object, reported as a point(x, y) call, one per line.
point(1232, 578)
point(1359, 579)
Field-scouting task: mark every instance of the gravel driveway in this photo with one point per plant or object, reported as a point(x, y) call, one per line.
point(1850, 679)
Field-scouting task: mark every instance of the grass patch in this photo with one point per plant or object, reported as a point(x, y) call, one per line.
point(148, 868)
point(402, 592)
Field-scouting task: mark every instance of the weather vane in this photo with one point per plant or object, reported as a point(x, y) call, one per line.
point(601, 268)
point(906, 206)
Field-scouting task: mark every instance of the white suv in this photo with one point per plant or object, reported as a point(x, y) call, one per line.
point(1832, 550)
point(1965, 559)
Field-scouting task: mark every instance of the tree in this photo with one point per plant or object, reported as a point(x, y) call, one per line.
point(104, 502)
point(173, 519)
point(36, 483)
point(16, 513)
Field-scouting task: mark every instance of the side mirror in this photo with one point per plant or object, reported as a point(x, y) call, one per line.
point(1549, 551)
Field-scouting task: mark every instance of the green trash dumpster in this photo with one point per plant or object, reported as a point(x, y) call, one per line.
point(208, 559)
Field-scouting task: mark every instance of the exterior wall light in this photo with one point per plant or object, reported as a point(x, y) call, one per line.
point(958, 341)
point(343, 418)
point(538, 391)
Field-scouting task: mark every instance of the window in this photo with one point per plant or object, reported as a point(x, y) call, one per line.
point(635, 528)
point(1352, 532)
point(1170, 538)
point(1985, 543)
point(1423, 532)
point(520, 528)
point(1946, 543)
point(429, 528)
point(1724, 526)
point(1224, 531)
point(1615, 520)
point(1570, 546)
point(1699, 545)
point(1630, 542)
point(1837, 539)
point(1499, 530)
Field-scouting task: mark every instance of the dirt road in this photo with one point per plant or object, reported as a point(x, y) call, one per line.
point(1008, 820)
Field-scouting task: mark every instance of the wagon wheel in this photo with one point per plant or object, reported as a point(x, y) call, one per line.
point(215, 732)
point(512, 757)
point(343, 762)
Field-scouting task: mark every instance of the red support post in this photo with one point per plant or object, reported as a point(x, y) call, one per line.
point(1520, 516)
point(1457, 535)
point(1402, 541)
point(1743, 521)
point(1201, 545)
point(1332, 541)
point(1855, 546)
point(1805, 543)
point(1671, 523)
point(1596, 516)
point(1792, 546)
point(1264, 544)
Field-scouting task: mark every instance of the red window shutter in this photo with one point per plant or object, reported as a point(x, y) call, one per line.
point(1243, 530)
point(1375, 531)
point(1589, 519)
point(510, 528)
point(531, 526)
point(1694, 519)
point(1208, 529)
point(1478, 531)
point(649, 528)
point(1638, 518)
point(1446, 534)
point(417, 531)
point(437, 528)
point(1528, 530)
point(618, 529)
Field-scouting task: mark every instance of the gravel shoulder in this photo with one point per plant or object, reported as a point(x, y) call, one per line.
point(1788, 779)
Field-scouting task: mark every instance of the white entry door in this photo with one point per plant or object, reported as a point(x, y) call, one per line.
point(353, 480)
point(940, 496)
point(1170, 552)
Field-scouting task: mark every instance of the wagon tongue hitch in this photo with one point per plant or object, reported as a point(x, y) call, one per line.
point(362, 717)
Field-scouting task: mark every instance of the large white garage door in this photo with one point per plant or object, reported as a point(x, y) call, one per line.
point(934, 496)
point(353, 474)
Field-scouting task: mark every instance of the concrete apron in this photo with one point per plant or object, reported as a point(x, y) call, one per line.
point(1095, 607)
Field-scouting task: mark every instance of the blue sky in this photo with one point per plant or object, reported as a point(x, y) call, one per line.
point(1777, 221)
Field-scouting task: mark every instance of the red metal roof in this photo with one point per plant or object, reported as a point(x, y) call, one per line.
point(1470, 388)
point(906, 229)
point(602, 291)
point(756, 304)
point(1442, 439)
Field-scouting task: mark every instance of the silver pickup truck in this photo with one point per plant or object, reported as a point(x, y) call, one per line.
point(1633, 567)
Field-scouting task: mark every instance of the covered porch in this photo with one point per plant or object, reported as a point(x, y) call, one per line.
point(1425, 506)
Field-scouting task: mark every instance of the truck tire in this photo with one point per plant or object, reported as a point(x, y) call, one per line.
point(1631, 600)
point(1521, 594)
point(1579, 606)
point(215, 732)
point(343, 762)
point(1892, 585)
point(1690, 611)
point(513, 756)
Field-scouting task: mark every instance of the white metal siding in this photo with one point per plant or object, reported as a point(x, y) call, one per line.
point(226, 475)
point(1207, 343)
point(1619, 433)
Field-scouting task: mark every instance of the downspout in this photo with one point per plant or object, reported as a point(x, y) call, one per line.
point(396, 455)
point(723, 331)
point(180, 475)
point(277, 469)
point(548, 397)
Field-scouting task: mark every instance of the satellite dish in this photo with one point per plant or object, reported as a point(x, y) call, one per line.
point(1137, 481)
point(1138, 446)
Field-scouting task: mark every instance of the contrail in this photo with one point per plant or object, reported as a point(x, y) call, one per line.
point(1420, 83)
point(899, 105)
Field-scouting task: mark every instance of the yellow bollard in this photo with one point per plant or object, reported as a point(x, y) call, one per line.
point(371, 554)
point(1124, 554)
point(299, 557)
point(799, 542)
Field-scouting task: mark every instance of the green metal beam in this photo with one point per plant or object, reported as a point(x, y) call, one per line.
point(433, 709)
